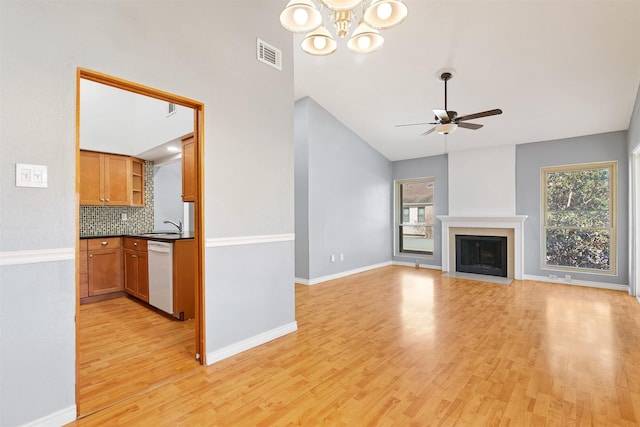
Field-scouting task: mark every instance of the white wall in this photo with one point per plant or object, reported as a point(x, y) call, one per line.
point(117, 121)
point(483, 182)
point(248, 148)
point(167, 195)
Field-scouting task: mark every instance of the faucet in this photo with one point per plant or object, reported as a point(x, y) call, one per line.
point(179, 224)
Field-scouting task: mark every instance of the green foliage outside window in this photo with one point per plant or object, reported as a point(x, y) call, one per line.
point(578, 217)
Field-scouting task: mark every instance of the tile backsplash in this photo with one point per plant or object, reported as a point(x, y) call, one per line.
point(107, 220)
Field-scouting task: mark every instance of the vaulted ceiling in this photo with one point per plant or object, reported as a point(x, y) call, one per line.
point(557, 69)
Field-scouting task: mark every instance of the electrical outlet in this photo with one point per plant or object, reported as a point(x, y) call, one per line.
point(341, 257)
point(417, 264)
point(553, 276)
point(124, 216)
point(567, 278)
point(333, 258)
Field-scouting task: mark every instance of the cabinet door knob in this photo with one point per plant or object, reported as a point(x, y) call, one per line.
point(104, 243)
point(134, 256)
point(135, 243)
point(106, 200)
point(90, 256)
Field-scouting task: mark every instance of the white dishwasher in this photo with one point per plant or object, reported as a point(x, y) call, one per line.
point(161, 275)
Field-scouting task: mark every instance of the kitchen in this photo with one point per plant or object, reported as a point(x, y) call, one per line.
point(137, 185)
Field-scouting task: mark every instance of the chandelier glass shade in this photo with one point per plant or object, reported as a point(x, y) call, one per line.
point(303, 16)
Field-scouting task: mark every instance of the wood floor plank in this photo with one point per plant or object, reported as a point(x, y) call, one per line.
point(126, 347)
point(406, 346)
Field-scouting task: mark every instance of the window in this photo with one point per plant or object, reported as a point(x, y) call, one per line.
point(415, 212)
point(579, 211)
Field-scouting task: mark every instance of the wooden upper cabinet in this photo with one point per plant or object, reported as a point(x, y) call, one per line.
point(188, 168)
point(91, 187)
point(137, 182)
point(117, 180)
point(111, 180)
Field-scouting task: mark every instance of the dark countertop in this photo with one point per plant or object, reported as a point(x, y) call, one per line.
point(165, 236)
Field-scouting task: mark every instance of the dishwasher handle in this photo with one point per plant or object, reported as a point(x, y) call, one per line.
point(162, 247)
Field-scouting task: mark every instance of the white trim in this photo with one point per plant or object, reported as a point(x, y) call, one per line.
point(244, 345)
point(301, 281)
point(59, 418)
point(36, 256)
point(248, 240)
point(587, 283)
point(342, 274)
point(514, 222)
point(638, 298)
point(413, 264)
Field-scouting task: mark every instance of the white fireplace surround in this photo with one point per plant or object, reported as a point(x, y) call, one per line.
point(514, 222)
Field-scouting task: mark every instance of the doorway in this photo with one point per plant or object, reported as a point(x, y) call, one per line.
point(132, 307)
point(634, 286)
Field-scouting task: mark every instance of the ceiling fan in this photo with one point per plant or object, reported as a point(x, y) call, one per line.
point(447, 121)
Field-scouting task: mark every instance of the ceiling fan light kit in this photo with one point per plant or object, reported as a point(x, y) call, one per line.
point(447, 121)
point(446, 128)
point(303, 16)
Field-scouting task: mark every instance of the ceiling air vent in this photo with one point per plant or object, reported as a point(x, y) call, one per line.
point(269, 54)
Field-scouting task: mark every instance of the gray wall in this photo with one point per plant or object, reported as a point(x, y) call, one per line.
point(167, 195)
point(586, 149)
point(301, 127)
point(348, 196)
point(248, 168)
point(436, 166)
point(633, 135)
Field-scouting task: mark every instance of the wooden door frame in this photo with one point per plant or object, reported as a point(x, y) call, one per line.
point(198, 131)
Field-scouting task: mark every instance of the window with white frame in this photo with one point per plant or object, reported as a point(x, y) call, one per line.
point(415, 215)
point(579, 217)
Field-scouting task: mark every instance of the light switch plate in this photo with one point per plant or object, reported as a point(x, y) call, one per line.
point(31, 175)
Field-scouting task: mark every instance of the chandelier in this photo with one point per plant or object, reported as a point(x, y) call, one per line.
point(302, 16)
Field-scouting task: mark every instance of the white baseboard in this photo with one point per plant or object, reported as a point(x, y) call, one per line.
point(588, 283)
point(413, 264)
point(638, 298)
point(57, 419)
point(340, 275)
point(244, 345)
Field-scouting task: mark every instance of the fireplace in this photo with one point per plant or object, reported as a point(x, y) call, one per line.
point(504, 226)
point(481, 254)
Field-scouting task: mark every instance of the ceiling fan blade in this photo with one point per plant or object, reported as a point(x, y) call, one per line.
point(478, 115)
point(427, 132)
point(415, 124)
point(442, 115)
point(472, 126)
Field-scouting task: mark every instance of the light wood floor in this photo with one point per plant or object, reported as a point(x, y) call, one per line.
point(125, 348)
point(402, 346)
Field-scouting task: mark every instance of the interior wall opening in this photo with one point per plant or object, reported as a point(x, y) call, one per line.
point(140, 316)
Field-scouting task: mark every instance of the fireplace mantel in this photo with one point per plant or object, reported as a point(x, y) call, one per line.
point(514, 222)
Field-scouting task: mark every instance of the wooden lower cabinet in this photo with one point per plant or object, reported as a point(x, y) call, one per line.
point(136, 268)
point(184, 275)
point(84, 269)
point(104, 265)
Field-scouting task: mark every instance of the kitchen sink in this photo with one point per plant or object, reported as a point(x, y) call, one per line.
point(161, 234)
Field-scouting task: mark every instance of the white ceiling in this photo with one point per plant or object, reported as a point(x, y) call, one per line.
point(557, 69)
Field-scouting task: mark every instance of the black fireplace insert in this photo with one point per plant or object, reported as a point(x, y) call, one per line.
point(481, 255)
